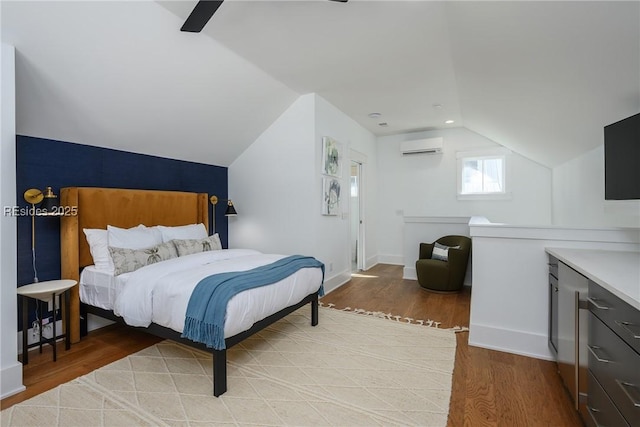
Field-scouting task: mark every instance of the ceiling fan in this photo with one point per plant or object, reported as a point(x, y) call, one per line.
point(203, 11)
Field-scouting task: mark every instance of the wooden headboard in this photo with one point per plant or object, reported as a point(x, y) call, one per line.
point(99, 207)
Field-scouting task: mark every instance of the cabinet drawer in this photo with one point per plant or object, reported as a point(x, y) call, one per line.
point(615, 365)
point(601, 410)
point(623, 319)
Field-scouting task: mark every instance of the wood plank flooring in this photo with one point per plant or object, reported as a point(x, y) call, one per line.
point(490, 388)
point(98, 349)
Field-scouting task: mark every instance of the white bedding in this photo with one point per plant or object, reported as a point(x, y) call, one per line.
point(98, 287)
point(159, 293)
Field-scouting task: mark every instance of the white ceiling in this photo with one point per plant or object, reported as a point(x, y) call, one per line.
point(541, 78)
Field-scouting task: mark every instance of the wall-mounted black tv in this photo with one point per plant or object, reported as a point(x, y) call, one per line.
point(622, 159)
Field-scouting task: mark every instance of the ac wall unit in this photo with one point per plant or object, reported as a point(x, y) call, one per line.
point(428, 145)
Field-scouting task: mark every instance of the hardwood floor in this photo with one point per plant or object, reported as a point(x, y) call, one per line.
point(490, 388)
point(98, 349)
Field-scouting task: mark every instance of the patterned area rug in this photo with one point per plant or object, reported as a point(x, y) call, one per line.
point(348, 370)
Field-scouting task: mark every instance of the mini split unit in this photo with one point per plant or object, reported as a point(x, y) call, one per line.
point(428, 145)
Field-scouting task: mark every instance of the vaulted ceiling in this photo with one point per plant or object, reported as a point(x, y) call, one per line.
point(541, 78)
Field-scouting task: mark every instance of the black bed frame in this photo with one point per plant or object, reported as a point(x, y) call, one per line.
point(219, 356)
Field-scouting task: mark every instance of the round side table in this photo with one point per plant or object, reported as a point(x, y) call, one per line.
point(46, 292)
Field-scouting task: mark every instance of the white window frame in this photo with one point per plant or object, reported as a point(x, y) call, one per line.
point(484, 154)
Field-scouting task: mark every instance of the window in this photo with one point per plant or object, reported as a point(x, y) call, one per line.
point(482, 174)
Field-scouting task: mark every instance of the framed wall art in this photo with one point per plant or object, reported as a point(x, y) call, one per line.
point(331, 157)
point(330, 196)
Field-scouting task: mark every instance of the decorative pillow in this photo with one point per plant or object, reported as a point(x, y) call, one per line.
point(126, 260)
point(193, 246)
point(192, 231)
point(441, 252)
point(139, 237)
point(99, 248)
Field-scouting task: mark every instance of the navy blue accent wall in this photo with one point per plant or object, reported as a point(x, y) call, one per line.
point(44, 162)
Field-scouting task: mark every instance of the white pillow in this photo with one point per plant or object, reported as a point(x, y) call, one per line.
point(99, 248)
point(139, 237)
point(182, 232)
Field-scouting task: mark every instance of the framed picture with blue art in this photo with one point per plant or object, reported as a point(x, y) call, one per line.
point(330, 196)
point(331, 157)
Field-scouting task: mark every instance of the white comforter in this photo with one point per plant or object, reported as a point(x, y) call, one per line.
point(159, 293)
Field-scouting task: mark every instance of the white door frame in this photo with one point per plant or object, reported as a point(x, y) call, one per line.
point(361, 159)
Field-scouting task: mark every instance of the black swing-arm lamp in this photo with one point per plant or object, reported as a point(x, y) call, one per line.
point(230, 211)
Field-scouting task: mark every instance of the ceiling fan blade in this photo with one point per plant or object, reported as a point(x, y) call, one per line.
point(200, 15)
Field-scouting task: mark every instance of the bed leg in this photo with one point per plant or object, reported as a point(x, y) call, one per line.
point(219, 372)
point(314, 311)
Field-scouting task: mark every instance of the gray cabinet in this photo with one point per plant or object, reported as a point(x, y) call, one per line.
point(597, 313)
point(614, 359)
point(572, 358)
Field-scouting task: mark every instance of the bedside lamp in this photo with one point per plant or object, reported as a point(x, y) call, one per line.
point(230, 211)
point(48, 202)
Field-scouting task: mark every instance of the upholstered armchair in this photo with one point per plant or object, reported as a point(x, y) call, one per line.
point(442, 265)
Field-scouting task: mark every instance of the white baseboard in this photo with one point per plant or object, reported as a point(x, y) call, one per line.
point(336, 281)
point(391, 259)
point(409, 273)
point(11, 380)
point(511, 341)
point(371, 262)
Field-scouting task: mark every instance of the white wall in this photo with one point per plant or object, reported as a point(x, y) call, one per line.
point(10, 368)
point(269, 184)
point(426, 185)
point(578, 195)
point(277, 188)
point(332, 122)
point(510, 301)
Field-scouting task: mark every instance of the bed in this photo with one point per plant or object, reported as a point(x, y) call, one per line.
point(98, 208)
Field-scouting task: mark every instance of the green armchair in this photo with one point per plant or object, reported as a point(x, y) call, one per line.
point(439, 275)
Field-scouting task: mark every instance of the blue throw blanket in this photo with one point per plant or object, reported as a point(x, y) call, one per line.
point(207, 307)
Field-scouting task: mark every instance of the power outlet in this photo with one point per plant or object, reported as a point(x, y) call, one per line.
point(330, 266)
point(33, 332)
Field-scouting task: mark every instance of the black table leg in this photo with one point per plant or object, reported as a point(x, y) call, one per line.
point(53, 338)
point(67, 320)
point(25, 329)
point(39, 325)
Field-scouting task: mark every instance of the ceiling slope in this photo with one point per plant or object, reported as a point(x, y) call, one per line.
point(388, 57)
point(541, 78)
point(121, 75)
point(544, 78)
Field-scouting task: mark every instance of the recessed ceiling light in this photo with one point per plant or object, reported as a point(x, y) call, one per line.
point(448, 122)
point(375, 115)
point(383, 124)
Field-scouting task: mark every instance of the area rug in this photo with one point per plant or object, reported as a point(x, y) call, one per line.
point(349, 370)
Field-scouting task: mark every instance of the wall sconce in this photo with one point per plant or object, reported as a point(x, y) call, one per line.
point(230, 211)
point(48, 202)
